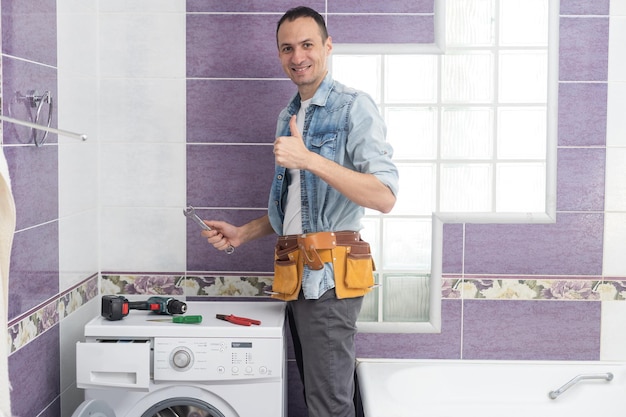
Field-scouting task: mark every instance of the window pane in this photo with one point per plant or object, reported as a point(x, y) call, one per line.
point(407, 244)
point(406, 298)
point(523, 76)
point(466, 188)
point(412, 132)
point(523, 22)
point(369, 309)
point(417, 190)
point(467, 78)
point(359, 71)
point(371, 234)
point(521, 187)
point(466, 133)
point(469, 23)
point(522, 133)
point(420, 70)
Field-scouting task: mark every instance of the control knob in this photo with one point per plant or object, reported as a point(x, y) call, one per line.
point(181, 359)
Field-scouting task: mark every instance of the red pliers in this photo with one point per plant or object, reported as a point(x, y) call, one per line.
point(242, 321)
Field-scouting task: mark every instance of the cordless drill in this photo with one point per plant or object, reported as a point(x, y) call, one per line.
point(116, 307)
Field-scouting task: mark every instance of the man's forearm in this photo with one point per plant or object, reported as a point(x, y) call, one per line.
point(364, 189)
point(256, 229)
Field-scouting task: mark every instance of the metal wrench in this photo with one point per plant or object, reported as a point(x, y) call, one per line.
point(190, 212)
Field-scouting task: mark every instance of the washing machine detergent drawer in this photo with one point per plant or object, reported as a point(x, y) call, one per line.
point(113, 364)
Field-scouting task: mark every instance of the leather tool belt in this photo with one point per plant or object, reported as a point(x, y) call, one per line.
point(351, 258)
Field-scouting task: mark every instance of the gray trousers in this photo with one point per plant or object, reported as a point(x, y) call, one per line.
point(323, 334)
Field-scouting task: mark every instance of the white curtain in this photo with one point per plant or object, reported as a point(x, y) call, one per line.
point(7, 228)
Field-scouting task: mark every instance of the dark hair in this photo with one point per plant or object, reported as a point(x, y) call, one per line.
point(303, 11)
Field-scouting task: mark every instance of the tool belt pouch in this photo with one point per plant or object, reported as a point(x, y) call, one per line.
point(354, 270)
point(287, 273)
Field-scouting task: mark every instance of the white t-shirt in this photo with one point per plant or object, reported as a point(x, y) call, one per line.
point(292, 225)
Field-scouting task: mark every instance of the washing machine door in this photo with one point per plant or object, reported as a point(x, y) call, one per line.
point(93, 408)
point(182, 407)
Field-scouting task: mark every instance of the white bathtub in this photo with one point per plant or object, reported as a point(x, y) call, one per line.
point(460, 388)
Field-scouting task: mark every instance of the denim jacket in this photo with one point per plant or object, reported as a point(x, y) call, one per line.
point(344, 125)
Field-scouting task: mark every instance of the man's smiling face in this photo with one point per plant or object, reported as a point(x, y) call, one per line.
point(303, 54)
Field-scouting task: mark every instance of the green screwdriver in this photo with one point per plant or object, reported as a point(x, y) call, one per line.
point(181, 319)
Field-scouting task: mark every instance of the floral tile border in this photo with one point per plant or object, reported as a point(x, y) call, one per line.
point(240, 286)
point(557, 288)
point(27, 327)
point(534, 289)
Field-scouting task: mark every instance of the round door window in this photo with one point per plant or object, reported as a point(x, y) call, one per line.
point(182, 407)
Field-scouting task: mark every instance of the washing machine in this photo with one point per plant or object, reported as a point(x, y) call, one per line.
point(137, 367)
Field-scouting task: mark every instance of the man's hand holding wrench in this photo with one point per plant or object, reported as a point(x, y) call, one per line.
point(212, 235)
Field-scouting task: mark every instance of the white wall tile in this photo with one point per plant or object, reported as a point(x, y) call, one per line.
point(78, 177)
point(77, 40)
point(613, 331)
point(145, 239)
point(143, 110)
point(616, 122)
point(142, 45)
point(176, 6)
point(77, 6)
point(77, 104)
point(70, 331)
point(617, 52)
point(618, 8)
point(615, 182)
point(143, 174)
point(614, 245)
point(78, 248)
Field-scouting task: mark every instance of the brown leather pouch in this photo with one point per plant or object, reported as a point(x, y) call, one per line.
point(287, 274)
point(354, 270)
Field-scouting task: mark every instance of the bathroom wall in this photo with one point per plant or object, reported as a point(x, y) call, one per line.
point(54, 267)
point(185, 115)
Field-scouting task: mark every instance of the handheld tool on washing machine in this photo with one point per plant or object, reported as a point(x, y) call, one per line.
point(116, 307)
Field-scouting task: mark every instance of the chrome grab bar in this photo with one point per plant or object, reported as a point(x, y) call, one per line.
point(66, 133)
point(554, 394)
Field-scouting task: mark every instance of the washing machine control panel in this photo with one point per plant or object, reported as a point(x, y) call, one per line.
point(216, 359)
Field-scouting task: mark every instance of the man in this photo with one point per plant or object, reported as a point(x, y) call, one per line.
point(331, 162)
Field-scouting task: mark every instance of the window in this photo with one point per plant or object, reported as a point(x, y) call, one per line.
point(473, 130)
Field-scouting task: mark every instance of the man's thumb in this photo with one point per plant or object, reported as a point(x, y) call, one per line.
point(293, 126)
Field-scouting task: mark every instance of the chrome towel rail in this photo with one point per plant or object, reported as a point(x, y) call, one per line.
point(60, 132)
point(554, 394)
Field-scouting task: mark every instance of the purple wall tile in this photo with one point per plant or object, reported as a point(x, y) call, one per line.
point(531, 330)
point(580, 181)
point(34, 268)
point(35, 375)
point(584, 49)
point(256, 256)
point(246, 113)
point(389, 6)
point(232, 46)
point(452, 248)
point(34, 182)
point(584, 7)
point(275, 6)
point(18, 78)
point(582, 114)
point(29, 30)
point(229, 175)
point(572, 246)
point(381, 29)
point(444, 345)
